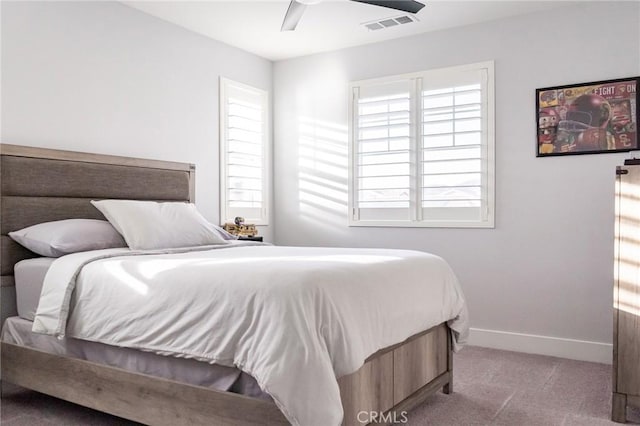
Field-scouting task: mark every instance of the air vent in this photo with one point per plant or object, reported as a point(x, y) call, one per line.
point(403, 19)
point(389, 22)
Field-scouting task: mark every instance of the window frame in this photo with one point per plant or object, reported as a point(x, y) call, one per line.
point(223, 152)
point(488, 134)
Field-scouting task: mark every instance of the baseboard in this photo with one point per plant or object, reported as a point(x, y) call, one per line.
point(542, 345)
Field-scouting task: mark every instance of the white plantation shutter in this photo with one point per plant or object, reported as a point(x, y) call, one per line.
point(243, 152)
point(383, 151)
point(454, 167)
point(422, 149)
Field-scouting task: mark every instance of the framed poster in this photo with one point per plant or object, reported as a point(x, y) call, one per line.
point(588, 118)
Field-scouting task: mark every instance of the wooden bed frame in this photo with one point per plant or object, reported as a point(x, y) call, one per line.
point(42, 185)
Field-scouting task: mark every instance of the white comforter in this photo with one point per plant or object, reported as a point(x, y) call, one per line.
point(294, 318)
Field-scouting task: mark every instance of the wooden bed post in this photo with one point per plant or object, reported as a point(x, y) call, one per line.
point(192, 183)
point(448, 388)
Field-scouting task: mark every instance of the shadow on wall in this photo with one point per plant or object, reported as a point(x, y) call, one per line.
point(323, 160)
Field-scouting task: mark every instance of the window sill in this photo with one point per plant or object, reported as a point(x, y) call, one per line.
point(435, 224)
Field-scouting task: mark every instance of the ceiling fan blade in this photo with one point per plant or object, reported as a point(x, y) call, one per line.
point(403, 5)
point(294, 13)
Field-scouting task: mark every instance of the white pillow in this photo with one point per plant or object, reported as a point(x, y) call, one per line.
point(55, 239)
point(148, 225)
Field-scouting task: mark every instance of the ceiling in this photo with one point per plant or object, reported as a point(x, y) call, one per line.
point(254, 26)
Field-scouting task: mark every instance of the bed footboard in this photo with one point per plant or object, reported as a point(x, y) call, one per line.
point(389, 384)
point(398, 378)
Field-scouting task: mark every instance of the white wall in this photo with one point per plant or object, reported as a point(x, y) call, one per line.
point(102, 77)
point(546, 269)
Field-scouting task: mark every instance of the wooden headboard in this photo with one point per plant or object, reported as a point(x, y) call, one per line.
point(42, 185)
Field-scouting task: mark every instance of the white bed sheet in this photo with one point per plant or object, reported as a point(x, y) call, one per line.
point(18, 332)
point(29, 276)
point(295, 318)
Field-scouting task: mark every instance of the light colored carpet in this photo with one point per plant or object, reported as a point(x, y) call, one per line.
point(491, 387)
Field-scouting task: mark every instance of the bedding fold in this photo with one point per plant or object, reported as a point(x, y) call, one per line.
point(294, 318)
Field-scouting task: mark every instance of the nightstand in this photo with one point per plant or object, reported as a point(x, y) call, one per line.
point(256, 238)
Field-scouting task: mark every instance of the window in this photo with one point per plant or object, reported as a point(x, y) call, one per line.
point(422, 149)
point(244, 175)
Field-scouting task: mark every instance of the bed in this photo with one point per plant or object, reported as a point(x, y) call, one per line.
point(41, 185)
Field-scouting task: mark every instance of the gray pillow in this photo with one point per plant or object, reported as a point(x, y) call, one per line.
point(55, 239)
